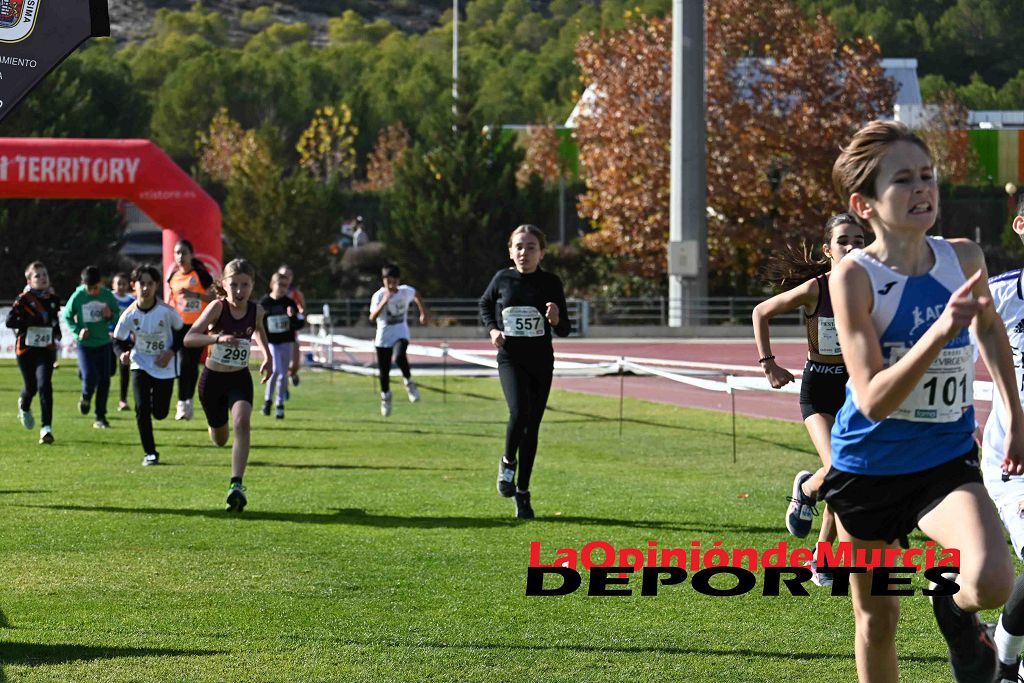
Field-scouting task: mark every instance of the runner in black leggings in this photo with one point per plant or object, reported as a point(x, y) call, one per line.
point(520, 308)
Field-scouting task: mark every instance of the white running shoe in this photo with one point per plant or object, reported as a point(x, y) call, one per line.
point(818, 577)
point(25, 418)
point(189, 412)
point(385, 404)
point(150, 459)
point(179, 413)
point(506, 478)
point(414, 392)
point(46, 435)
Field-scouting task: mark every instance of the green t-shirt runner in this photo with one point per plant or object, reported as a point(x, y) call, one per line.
point(90, 309)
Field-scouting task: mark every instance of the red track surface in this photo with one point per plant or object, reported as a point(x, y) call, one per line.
point(789, 353)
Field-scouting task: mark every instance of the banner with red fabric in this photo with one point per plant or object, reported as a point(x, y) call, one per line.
point(136, 170)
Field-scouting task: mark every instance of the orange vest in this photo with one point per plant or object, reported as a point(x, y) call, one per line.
point(188, 308)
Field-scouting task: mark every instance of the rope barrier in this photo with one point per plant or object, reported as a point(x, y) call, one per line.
point(477, 364)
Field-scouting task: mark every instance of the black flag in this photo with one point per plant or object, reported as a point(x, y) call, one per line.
point(36, 36)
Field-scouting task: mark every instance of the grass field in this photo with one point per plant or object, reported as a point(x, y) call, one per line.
point(378, 550)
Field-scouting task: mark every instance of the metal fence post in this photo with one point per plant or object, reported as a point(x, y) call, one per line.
point(444, 371)
point(330, 336)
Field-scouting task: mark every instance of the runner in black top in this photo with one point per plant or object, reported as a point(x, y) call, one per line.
point(520, 308)
point(35, 317)
point(281, 320)
point(823, 384)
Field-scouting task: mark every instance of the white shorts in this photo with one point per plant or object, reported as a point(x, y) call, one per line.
point(1008, 497)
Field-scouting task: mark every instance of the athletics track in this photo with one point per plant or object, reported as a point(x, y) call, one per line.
point(713, 359)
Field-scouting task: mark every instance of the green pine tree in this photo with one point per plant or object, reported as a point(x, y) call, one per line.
point(452, 207)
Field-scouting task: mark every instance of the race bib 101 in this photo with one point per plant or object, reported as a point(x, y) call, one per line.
point(522, 321)
point(39, 337)
point(235, 356)
point(945, 391)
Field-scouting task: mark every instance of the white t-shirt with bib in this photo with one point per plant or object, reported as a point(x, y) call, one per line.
point(153, 331)
point(1008, 301)
point(392, 323)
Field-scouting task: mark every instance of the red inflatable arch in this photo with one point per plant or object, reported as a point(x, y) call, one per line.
point(136, 170)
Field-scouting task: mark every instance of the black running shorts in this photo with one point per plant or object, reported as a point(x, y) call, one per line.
point(822, 389)
point(889, 507)
point(219, 391)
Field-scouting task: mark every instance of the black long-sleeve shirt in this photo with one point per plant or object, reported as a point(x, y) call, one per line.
point(510, 288)
point(32, 310)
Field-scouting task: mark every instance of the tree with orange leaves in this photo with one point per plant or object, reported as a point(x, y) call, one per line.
point(392, 143)
point(783, 93)
point(541, 157)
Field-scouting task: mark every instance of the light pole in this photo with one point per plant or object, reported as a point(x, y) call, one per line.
point(455, 55)
point(687, 249)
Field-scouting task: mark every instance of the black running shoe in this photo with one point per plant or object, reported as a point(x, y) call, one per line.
point(506, 478)
point(295, 380)
point(1008, 673)
point(266, 408)
point(972, 656)
point(801, 510)
point(279, 414)
point(236, 498)
point(83, 404)
point(523, 508)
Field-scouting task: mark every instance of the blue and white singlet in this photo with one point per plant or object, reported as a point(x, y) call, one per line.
point(936, 422)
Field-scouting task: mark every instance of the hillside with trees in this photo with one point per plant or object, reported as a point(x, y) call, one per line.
point(969, 46)
point(297, 115)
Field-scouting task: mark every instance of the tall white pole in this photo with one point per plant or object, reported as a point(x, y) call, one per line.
point(687, 257)
point(455, 53)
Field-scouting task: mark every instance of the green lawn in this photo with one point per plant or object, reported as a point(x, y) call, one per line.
point(379, 550)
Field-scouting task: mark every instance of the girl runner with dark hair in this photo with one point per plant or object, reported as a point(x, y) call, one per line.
point(389, 307)
point(149, 335)
point(225, 387)
point(823, 384)
point(521, 307)
point(189, 289)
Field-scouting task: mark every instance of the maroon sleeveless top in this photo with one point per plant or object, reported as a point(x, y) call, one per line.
point(822, 310)
point(242, 328)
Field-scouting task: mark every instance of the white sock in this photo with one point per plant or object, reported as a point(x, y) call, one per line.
point(1008, 646)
